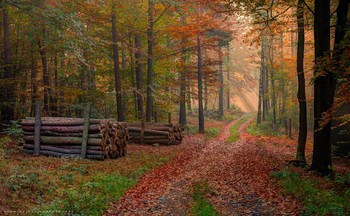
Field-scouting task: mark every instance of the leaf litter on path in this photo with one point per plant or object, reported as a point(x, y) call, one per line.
point(238, 175)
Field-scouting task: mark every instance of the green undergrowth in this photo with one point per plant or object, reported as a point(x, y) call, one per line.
point(90, 198)
point(212, 132)
point(234, 133)
point(201, 206)
point(68, 186)
point(263, 129)
point(318, 197)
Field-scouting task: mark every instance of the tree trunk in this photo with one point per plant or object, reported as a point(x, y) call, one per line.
point(323, 89)
point(266, 100)
point(118, 88)
point(149, 103)
point(139, 91)
point(9, 109)
point(131, 56)
point(221, 88)
point(301, 85)
point(34, 89)
point(54, 95)
point(228, 78)
point(338, 56)
point(200, 86)
point(188, 95)
point(206, 96)
point(43, 55)
point(182, 111)
point(261, 83)
point(272, 71)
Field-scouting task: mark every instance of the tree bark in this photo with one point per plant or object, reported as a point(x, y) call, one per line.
point(221, 88)
point(338, 56)
point(188, 95)
point(34, 89)
point(43, 55)
point(301, 85)
point(149, 103)
point(228, 78)
point(182, 110)
point(9, 110)
point(200, 85)
point(132, 71)
point(323, 89)
point(261, 104)
point(272, 71)
point(116, 65)
point(139, 90)
point(48, 140)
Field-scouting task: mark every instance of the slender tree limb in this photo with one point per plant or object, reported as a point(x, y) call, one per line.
point(308, 7)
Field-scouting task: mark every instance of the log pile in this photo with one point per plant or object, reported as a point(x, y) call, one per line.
point(114, 139)
point(156, 133)
point(64, 137)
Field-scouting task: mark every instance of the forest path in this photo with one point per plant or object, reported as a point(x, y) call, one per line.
point(238, 175)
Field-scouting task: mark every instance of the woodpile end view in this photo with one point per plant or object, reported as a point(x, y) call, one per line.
point(101, 139)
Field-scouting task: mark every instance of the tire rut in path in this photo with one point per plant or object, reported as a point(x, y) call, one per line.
point(238, 174)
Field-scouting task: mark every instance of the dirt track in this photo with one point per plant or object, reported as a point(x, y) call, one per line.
point(238, 174)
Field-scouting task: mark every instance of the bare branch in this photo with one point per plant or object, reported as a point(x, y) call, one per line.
point(308, 7)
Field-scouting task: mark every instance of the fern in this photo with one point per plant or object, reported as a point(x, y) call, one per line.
point(14, 130)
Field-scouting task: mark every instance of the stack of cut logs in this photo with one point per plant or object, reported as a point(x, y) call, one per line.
point(114, 138)
point(64, 136)
point(156, 133)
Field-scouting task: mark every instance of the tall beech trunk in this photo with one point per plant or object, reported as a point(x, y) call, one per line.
point(261, 116)
point(118, 88)
point(339, 48)
point(34, 88)
point(149, 103)
point(200, 86)
point(206, 96)
point(139, 91)
point(43, 54)
point(54, 104)
point(228, 78)
point(124, 92)
point(272, 71)
point(188, 95)
point(221, 88)
point(301, 85)
point(132, 71)
point(323, 89)
point(266, 98)
point(9, 109)
point(182, 110)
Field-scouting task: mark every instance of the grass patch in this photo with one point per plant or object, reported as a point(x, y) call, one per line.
point(234, 129)
point(212, 132)
point(192, 129)
point(202, 207)
point(91, 198)
point(69, 186)
point(332, 199)
point(263, 129)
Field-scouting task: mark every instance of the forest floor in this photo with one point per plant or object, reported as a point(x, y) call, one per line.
point(205, 175)
point(232, 178)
